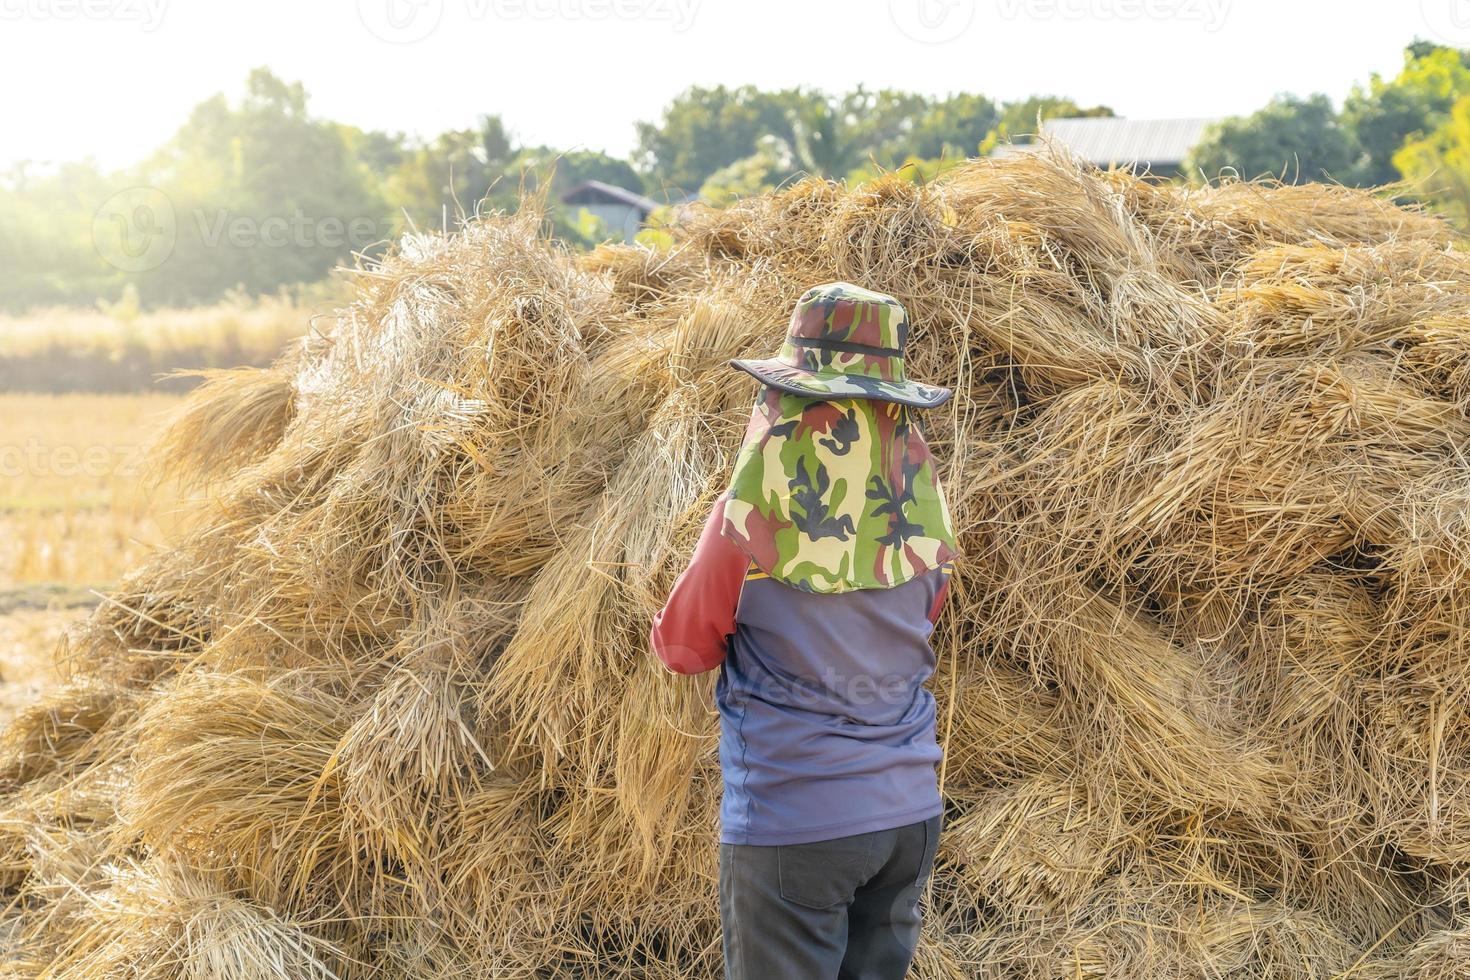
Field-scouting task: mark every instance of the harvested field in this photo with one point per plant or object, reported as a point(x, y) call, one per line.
point(27, 637)
point(75, 507)
point(122, 349)
point(389, 711)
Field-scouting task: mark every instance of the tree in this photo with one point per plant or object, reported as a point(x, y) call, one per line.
point(544, 168)
point(881, 125)
point(762, 171)
point(1439, 164)
point(823, 140)
point(46, 245)
point(953, 127)
point(496, 145)
point(262, 193)
point(434, 183)
point(570, 168)
point(917, 170)
point(1384, 115)
point(705, 129)
point(1019, 120)
point(439, 180)
point(1293, 139)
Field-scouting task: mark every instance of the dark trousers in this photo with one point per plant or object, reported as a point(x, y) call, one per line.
point(842, 909)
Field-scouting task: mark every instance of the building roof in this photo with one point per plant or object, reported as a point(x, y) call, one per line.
point(596, 192)
point(1157, 144)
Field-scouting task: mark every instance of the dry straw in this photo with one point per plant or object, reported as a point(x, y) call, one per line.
point(388, 710)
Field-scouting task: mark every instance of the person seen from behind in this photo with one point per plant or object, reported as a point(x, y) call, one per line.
point(814, 587)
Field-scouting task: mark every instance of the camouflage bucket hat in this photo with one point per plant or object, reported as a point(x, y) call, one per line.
point(845, 342)
point(831, 495)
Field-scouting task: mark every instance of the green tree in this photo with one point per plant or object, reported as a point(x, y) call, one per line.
point(823, 139)
point(880, 126)
point(46, 245)
point(1385, 114)
point(437, 181)
point(433, 184)
point(915, 169)
point(1439, 164)
point(953, 127)
point(263, 194)
point(1291, 138)
point(380, 152)
point(705, 129)
point(1019, 120)
point(570, 168)
point(762, 171)
point(543, 168)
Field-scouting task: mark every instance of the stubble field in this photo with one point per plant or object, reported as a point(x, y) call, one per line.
point(74, 513)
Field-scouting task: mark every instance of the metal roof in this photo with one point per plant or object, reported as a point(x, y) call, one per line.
point(595, 191)
point(1111, 142)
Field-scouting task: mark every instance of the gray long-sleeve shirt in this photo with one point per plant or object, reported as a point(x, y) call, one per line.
point(826, 728)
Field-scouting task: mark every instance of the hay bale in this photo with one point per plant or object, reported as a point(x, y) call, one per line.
point(387, 709)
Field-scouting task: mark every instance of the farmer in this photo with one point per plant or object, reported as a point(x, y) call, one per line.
point(815, 584)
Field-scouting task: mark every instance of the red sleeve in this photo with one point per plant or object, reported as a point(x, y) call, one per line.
point(691, 631)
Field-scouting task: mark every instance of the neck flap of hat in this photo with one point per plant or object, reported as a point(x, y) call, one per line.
point(835, 495)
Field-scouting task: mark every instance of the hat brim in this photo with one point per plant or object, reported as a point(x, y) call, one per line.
point(831, 387)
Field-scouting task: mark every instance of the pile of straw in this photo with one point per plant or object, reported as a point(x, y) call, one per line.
point(389, 710)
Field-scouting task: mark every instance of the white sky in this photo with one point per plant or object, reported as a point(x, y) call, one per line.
point(113, 78)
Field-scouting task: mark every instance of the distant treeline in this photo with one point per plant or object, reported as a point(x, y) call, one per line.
point(259, 194)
